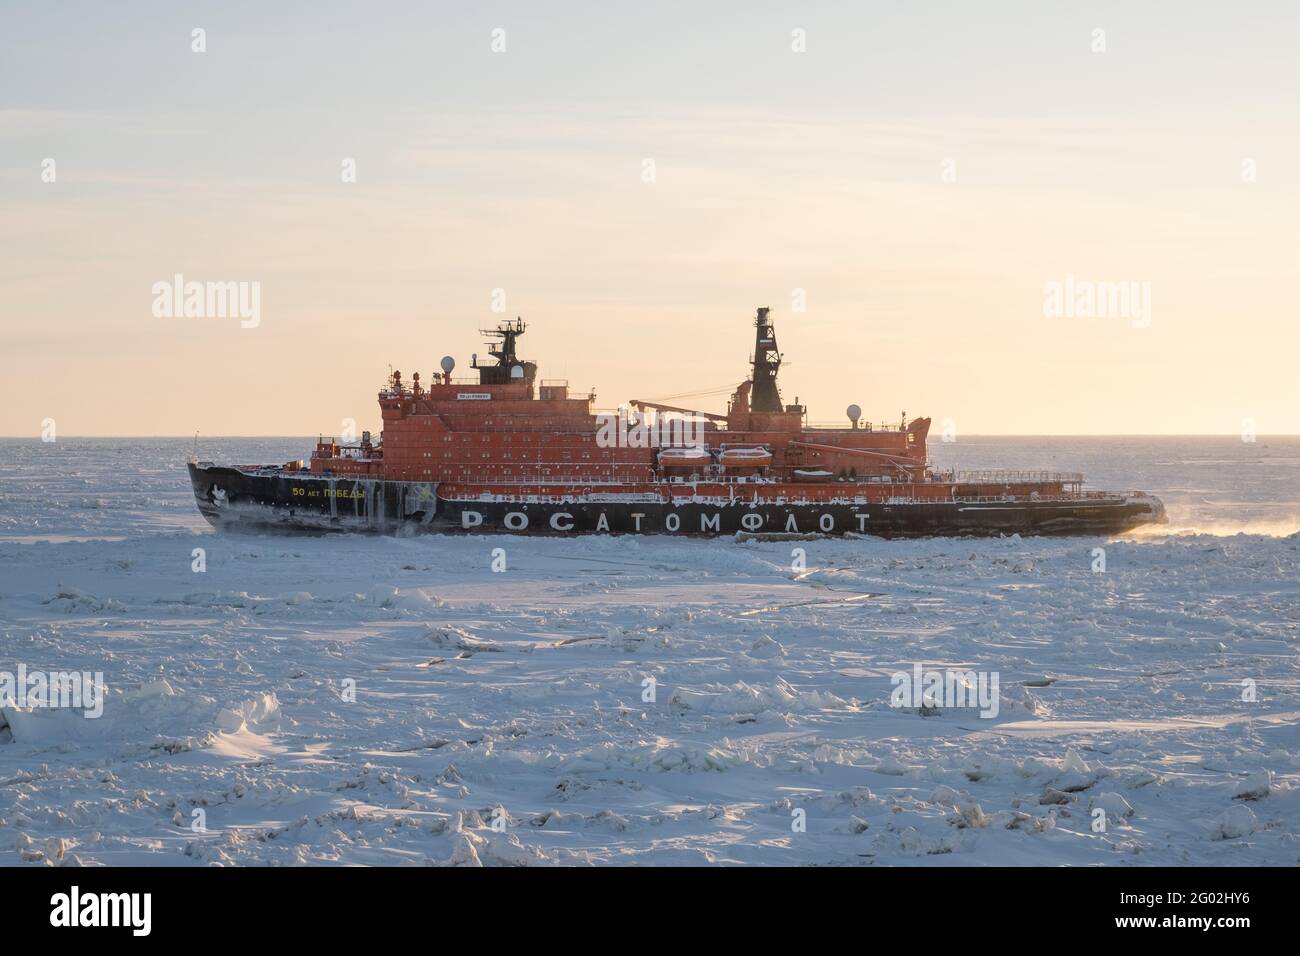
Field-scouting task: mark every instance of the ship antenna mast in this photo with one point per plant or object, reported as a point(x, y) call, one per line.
point(766, 397)
point(508, 332)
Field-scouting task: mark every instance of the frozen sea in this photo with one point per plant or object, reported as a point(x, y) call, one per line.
point(357, 700)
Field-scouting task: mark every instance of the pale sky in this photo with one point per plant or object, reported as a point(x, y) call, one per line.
point(922, 171)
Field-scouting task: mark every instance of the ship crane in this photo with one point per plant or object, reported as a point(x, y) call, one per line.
point(659, 406)
point(905, 465)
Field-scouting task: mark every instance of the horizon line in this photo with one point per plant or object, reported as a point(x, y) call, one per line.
point(37, 438)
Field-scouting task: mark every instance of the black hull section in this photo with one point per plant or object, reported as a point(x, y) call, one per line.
point(231, 499)
point(235, 500)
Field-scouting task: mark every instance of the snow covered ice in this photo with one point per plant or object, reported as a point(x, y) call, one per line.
point(354, 700)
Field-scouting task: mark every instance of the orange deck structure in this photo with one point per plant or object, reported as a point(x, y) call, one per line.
point(520, 438)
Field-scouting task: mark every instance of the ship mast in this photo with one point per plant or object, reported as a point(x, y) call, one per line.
point(509, 368)
point(507, 332)
point(767, 361)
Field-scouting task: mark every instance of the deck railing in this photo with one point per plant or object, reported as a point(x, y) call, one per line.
point(1004, 477)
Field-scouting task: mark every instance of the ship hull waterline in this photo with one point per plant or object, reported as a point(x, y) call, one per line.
point(235, 500)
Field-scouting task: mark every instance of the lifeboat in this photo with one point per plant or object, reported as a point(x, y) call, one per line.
point(745, 458)
point(812, 474)
point(684, 457)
